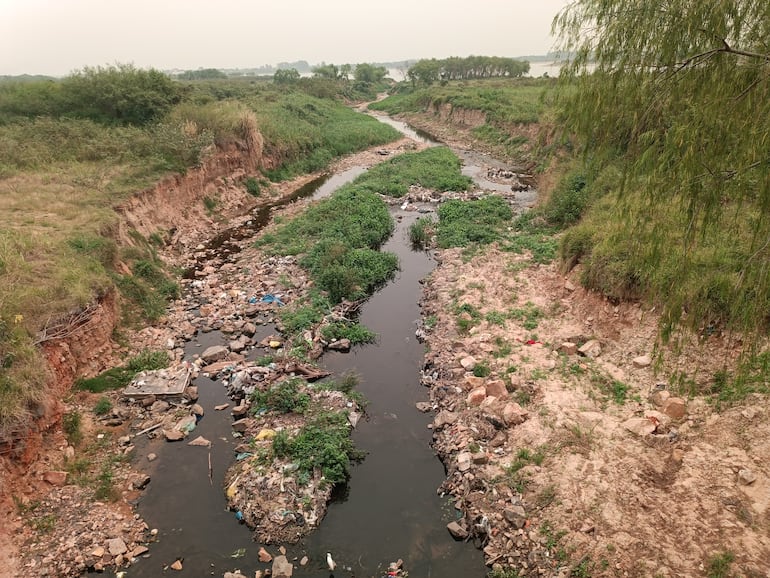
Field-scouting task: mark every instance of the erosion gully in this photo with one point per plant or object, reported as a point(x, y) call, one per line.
point(389, 510)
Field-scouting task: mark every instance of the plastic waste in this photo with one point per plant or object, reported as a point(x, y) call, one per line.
point(265, 434)
point(239, 516)
point(270, 298)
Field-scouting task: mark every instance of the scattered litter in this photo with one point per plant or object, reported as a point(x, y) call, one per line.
point(270, 298)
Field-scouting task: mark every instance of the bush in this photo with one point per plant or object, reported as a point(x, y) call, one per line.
point(568, 201)
point(103, 406)
point(284, 396)
point(421, 232)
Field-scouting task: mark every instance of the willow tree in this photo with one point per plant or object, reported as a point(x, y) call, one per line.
point(677, 92)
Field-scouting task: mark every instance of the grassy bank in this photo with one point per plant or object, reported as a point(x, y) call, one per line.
point(65, 165)
point(508, 105)
point(338, 238)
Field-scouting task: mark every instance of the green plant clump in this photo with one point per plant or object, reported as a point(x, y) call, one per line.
point(285, 397)
point(464, 222)
point(322, 443)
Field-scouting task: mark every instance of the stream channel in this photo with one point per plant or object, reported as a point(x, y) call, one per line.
point(389, 509)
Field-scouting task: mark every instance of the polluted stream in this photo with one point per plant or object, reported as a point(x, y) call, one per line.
point(389, 510)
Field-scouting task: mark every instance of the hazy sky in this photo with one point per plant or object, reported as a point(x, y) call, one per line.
point(57, 36)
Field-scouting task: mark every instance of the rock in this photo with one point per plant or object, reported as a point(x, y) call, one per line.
point(249, 329)
point(496, 388)
point(240, 410)
point(148, 400)
point(98, 552)
point(640, 426)
point(457, 531)
point(591, 349)
point(659, 397)
point(473, 382)
point(116, 546)
point(240, 425)
point(191, 392)
point(264, 556)
point(214, 353)
point(221, 406)
point(342, 345)
point(476, 396)
point(124, 440)
point(173, 435)
point(444, 417)
point(282, 568)
point(55, 477)
point(141, 481)
point(201, 442)
point(568, 348)
point(641, 361)
point(160, 406)
point(151, 457)
point(69, 452)
point(480, 458)
point(588, 526)
point(516, 516)
point(423, 406)
point(746, 476)
point(514, 414)
point(177, 565)
point(238, 345)
point(468, 363)
point(675, 407)
point(197, 409)
point(464, 461)
point(138, 551)
point(304, 561)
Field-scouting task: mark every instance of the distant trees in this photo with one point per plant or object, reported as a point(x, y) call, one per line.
point(202, 74)
point(286, 76)
point(369, 73)
point(427, 72)
point(328, 71)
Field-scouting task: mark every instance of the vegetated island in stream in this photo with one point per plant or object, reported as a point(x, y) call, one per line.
point(576, 443)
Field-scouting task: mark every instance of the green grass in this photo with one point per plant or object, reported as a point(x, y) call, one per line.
point(421, 232)
point(436, 168)
point(462, 223)
point(355, 332)
point(324, 442)
point(117, 377)
point(719, 565)
point(286, 396)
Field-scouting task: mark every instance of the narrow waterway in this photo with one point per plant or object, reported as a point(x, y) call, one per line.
point(389, 510)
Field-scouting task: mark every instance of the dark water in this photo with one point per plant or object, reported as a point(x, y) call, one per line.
point(390, 509)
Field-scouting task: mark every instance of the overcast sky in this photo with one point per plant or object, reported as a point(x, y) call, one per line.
point(56, 37)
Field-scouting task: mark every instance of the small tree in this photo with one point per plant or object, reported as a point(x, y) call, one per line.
point(286, 76)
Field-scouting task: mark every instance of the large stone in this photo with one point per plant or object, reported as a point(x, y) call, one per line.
point(675, 407)
point(141, 481)
point(173, 435)
point(116, 546)
point(568, 348)
point(472, 382)
point(640, 426)
point(444, 417)
point(514, 414)
point(746, 476)
point(240, 425)
point(177, 565)
point(641, 361)
point(457, 531)
point(464, 461)
point(214, 353)
point(200, 441)
point(139, 551)
point(282, 568)
point(476, 396)
point(55, 478)
point(496, 388)
point(468, 363)
point(659, 397)
point(591, 349)
point(264, 556)
point(342, 345)
point(516, 516)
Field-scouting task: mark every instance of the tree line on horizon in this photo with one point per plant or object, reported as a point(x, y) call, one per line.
point(428, 71)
